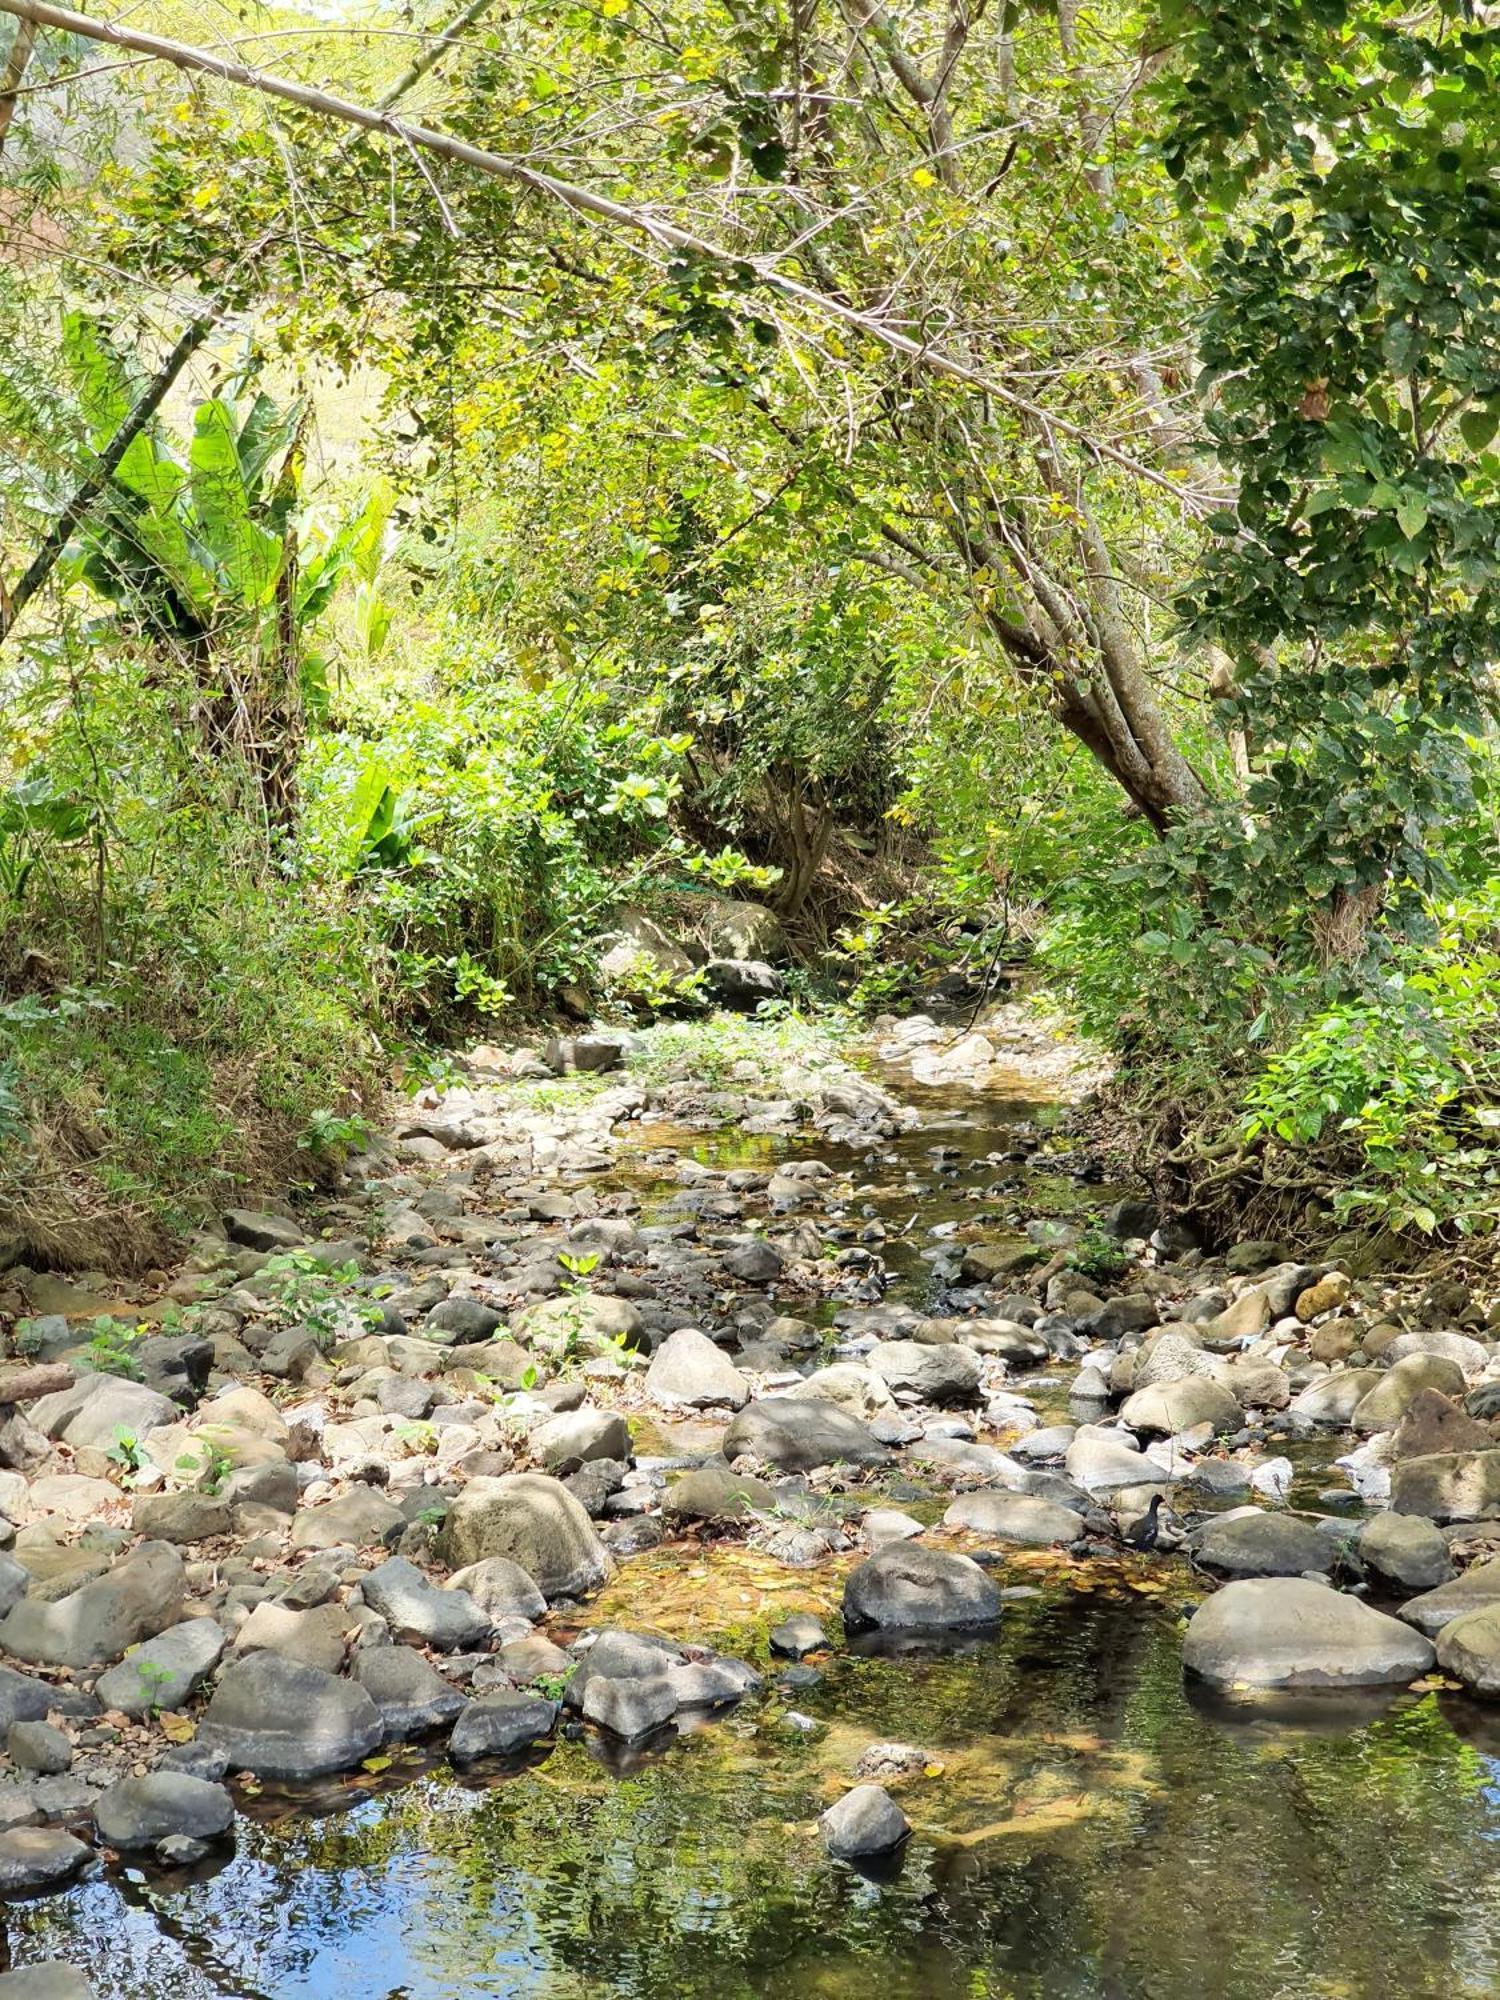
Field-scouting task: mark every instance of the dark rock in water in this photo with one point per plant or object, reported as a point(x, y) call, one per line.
point(411, 1696)
point(714, 1493)
point(907, 1587)
point(281, 1719)
point(864, 1821)
point(630, 1707)
point(141, 1812)
point(797, 1434)
point(499, 1725)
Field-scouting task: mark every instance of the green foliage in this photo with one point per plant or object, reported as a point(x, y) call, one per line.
point(209, 1466)
point(126, 1451)
point(108, 1351)
point(1097, 1254)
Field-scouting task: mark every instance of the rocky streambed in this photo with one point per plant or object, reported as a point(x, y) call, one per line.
point(713, 1512)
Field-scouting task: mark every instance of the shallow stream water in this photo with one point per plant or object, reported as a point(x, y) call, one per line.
point(1088, 1828)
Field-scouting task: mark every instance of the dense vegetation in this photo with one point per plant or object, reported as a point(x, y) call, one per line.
point(958, 472)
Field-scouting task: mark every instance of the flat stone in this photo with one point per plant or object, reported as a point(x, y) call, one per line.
point(317, 1638)
point(857, 1390)
point(909, 1587)
point(586, 1326)
point(632, 1707)
point(1289, 1632)
point(281, 1719)
point(418, 1610)
point(181, 1517)
point(140, 1812)
point(1014, 1517)
point(1105, 1465)
point(361, 1518)
point(863, 1822)
point(258, 1231)
point(1251, 1545)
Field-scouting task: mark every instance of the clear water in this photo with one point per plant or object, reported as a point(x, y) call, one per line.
point(1090, 1828)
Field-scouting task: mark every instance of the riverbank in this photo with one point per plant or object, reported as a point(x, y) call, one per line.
point(820, 1392)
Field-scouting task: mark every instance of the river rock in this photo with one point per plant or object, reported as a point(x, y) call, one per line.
point(280, 1719)
point(317, 1637)
point(93, 1625)
point(1167, 1357)
point(797, 1636)
point(1475, 1590)
point(39, 1857)
point(796, 1434)
point(410, 1694)
point(714, 1493)
point(1170, 1407)
point(934, 1374)
point(501, 1589)
point(181, 1517)
point(858, 1390)
point(1263, 1545)
point(578, 1437)
point(534, 1521)
point(1103, 1462)
point(141, 1812)
point(162, 1673)
point(689, 1371)
point(1469, 1649)
point(259, 1231)
point(1014, 1517)
point(1289, 1632)
point(98, 1408)
point(1432, 1424)
point(1334, 1398)
point(865, 1821)
point(1393, 1394)
point(418, 1612)
point(1406, 1551)
point(632, 1706)
point(1447, 1486)
point(362, 1518)
point(500, 1724)
point(908, 1587)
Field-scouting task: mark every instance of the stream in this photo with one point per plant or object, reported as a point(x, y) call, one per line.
point(1089, 1826)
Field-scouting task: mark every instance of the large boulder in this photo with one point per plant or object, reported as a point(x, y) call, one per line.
point(1169, 1407)
point(741, 982)
point(1104, 1462)
point(943, 1373)
point(1289, 1632)
point(280, 1719)
point(533, 1520)
point(100, 1408)
point(906, 1587)
point(796, 1434)
point(734, 929)
point(688, 1370)
point(93, 1625)
point(1392, 1396)
point(1263, 1545)
point(1014, 1517)
point(1446, 1486)
point(636, 946)
point(1333, 1399)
